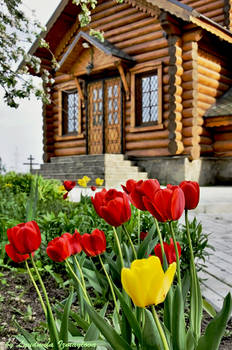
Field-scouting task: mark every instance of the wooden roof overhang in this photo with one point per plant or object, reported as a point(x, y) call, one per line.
point(64, 23)
point(83, 42)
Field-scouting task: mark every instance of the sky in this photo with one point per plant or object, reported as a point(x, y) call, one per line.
point(21, 129)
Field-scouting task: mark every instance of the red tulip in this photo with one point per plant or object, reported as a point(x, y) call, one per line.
point(25, 237)
point(113, 206)
point(14, 255)
point(143, 235)
point(74, 242)
point(65, 195)
point(93, 188)
point(137, 190)
point(94, 243)
point(167, 204)
point(59, 248)
point(191, 191)
point(169, 250)
point(69, 185)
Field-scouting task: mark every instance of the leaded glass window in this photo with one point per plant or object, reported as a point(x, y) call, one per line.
point(147, 99)
point(70, 108)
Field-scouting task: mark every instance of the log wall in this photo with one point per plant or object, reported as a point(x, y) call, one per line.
point(223, 141)
point(137, 32)
point(216, 10)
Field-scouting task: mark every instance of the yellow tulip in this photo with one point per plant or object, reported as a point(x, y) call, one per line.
point(61, 188)
point(99, 181)
point(82, 182)
point(146, 283)
point(86, 179)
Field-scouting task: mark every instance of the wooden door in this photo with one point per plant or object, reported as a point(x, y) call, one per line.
point(104, 123)
point(95, 122)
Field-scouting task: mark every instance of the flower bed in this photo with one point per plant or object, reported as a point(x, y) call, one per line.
point(123, 272)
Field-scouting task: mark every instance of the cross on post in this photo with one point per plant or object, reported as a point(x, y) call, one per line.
point(30, 162)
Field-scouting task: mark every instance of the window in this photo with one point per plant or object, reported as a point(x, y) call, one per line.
point(146, 85)
point(70, 111)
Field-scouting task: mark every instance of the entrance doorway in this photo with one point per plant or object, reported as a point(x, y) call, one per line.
point(104, 116)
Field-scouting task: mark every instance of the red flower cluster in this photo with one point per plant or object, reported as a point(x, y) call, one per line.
point(191, 191)
point(61, 248)
point(68, 185)
point(169, 250)
point(24, 238)
point(113, 206)
point(164, 204)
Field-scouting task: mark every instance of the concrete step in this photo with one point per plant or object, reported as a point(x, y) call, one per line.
point(71, 159)
point(73, 169)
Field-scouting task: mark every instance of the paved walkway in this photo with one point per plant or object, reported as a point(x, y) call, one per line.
point(215, 213)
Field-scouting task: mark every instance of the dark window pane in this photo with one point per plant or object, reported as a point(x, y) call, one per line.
point(70, 111)
point(147, 99)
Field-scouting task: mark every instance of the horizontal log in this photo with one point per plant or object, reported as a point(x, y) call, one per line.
point(192, 131)
point(103, 6)
point(152, 55)
point(188, 112)
point(189, 55)
point(223, 136)
point(146, 46)
point(126, 29)
point(221, 146)
point(205, 80)
point(208, 7)
point(209, 61)
point(70, 151)
point(219, 19)
point(114, 17)
point(215, 75)
point(202, 140)
point(137, 33)
point(147, 144)
point(223, 154)
point(206, 149)
point(206, 98)
point(139, 39)
point(163, 134)
point(226, 128)
point(191, 36)
point(116, 7)
point(69, 144)
point(62, 78)
point(213, 13)
point(119, 22)
point(160, 152)
point(189, 121)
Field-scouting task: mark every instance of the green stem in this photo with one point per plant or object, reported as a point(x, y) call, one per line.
point(177, 254)
point(81, 273)
point(138, 226)
point(55, 333)
point(130, 241)
point(160, 329)
point(161, 243)
point(36, 287)
point(195, 279)
point(78, 281)
point(110, 283)
point(118, 245)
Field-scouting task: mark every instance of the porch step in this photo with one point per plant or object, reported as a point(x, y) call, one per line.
point(113, 168)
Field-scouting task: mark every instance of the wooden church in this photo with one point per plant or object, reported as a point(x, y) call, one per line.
point(157, 91)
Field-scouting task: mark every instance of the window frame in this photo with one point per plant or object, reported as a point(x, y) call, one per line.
point(139, 71)
point(75, 134)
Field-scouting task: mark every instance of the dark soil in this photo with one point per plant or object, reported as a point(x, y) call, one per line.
point(19, 301)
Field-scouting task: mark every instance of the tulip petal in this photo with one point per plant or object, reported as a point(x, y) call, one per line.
point(167, 282)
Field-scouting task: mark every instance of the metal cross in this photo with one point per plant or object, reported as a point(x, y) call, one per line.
point(30, 163)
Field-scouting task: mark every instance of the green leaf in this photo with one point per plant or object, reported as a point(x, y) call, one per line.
point(29, 338)
point(216, 328)
point(168, 309)
point(151, 337)
point(52, 330)
point(126, 329)
point(190, 341)
point(185, 285)
point(178, 322)
point(195, 303)
point(116, 341)
point(209, 308)
point(129, 315)
point(64, 322)
point(80, 320)
point(144, 245)
point(93, 332)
